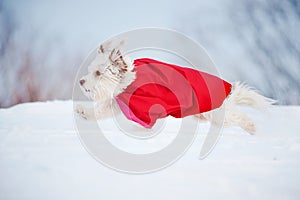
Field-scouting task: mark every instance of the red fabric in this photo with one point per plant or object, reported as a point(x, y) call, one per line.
point(161, 89)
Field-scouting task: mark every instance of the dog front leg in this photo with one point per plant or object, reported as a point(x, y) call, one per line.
point(99, 111)
point(86, 112)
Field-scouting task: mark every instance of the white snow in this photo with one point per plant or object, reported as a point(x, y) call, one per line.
point(41, 157)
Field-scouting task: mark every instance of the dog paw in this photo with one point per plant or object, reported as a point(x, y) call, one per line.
point(81, 111)
point(200, 117)
point(250, 128)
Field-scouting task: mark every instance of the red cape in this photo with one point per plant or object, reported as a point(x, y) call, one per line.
point(161, 89)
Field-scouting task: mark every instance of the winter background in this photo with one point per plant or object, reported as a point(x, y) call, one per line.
point(42, 44)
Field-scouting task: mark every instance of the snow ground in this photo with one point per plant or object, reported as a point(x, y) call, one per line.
point(41, 157)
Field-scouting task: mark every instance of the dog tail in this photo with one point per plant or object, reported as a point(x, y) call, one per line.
point(242, 94)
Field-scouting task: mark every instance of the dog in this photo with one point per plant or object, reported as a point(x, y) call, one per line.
point(112, 74)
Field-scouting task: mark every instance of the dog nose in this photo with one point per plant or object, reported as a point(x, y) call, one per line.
point(82, 81)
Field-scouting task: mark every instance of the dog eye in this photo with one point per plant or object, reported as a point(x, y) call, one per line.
point(98, 73)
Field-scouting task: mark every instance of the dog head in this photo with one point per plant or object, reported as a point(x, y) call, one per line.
point(107, 74)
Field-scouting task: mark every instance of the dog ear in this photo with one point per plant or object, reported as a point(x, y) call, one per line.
point(117, 60)
point(105, 47)
point(108, 46)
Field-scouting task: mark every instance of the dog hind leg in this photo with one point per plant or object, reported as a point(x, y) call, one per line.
point(234, 117)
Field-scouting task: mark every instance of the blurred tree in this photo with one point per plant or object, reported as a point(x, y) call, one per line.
point(255, 41)
point(33, 63)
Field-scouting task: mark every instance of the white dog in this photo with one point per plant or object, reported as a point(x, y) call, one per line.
point(110, 73)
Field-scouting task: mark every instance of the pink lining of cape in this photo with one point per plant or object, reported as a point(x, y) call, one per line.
point(129, 114)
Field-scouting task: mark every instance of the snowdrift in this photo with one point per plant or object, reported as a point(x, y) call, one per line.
point(41, 157)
